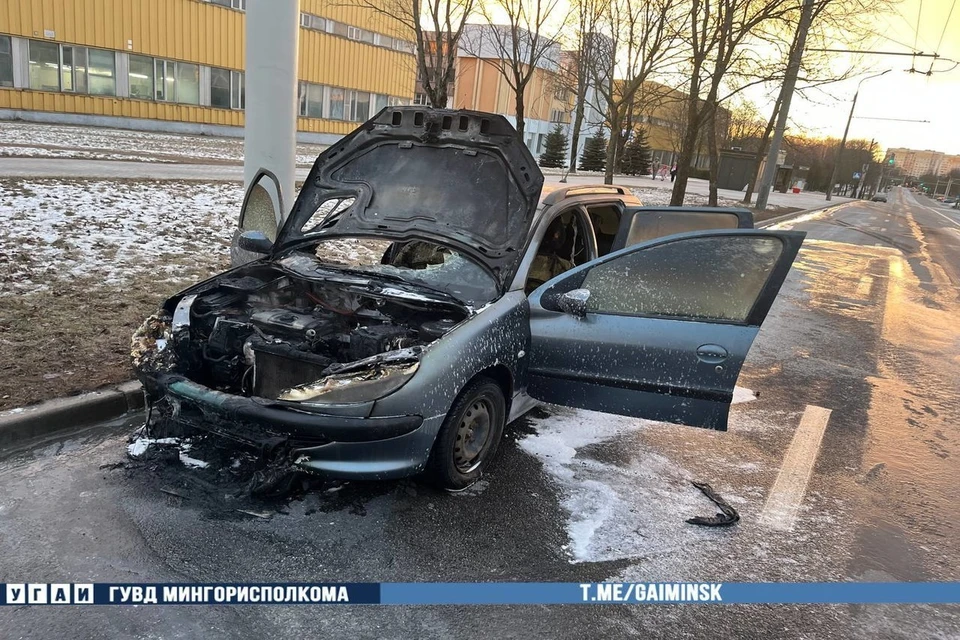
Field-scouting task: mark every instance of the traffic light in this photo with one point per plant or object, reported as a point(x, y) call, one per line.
point(892, 159)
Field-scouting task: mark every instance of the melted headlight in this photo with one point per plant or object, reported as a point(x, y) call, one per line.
point(362, 386)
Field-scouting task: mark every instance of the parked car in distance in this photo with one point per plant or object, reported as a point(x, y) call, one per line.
point(471, 294)
point(880, 196)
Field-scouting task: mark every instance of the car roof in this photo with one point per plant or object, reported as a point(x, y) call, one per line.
point(553, 193)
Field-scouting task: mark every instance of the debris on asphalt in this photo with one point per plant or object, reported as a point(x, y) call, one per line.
point(263, 515)
point(728, 517)
point(172, 492)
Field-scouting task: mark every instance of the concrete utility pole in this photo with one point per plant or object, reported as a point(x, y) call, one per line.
point(786, 93)
point(843, 142)
point(270, 129)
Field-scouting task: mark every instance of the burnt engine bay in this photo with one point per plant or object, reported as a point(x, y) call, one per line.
point(266, 332)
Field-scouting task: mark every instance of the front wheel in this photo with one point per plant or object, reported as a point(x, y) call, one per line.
point(469, 436)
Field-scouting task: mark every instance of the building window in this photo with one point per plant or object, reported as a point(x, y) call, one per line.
point(359, 106)
point(379, 102)
point(239, 5)
point(165, 84)
point(420, 98)
point(188, 83)
point(311, 100)
point(354, 32)
point(238, 90)
point(336, 103)
point(6, 62)
point(141, 77)
point(220, 88)
point(44, 64)
point(101, 71)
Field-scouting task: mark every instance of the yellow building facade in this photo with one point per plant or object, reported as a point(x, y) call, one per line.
point(177, 65)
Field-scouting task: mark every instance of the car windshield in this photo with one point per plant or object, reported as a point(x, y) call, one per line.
point(416, 262)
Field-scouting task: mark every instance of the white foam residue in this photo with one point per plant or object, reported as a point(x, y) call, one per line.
point(741, 394)
point(139, 446)
point(187, 461)
point(627, 508)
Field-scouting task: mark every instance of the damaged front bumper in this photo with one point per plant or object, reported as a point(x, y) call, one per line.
point(372, 447)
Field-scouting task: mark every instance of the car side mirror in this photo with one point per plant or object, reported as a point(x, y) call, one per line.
point(255, 241)
point(574, 302)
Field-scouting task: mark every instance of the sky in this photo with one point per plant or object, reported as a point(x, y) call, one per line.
point(897, 94)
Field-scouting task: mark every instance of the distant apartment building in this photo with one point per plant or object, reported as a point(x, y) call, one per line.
point(177, 65)
point(916, 163)
point(948, 164)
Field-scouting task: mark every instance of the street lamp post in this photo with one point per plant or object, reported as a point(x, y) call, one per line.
point(843, 141)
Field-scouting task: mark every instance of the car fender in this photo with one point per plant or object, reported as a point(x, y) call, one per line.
point(498, 335)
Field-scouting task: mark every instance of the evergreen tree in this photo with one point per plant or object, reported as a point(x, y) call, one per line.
point(636, 155)
point(554, 148)
point(594, 156)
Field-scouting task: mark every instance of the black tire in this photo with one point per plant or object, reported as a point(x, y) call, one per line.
point(469, 437)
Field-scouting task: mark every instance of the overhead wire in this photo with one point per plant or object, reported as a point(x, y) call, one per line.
point(942, 33)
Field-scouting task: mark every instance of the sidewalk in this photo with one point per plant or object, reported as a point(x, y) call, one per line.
point(696, 186)
point(82, 169)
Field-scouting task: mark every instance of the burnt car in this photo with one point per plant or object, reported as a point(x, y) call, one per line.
point(426, 289)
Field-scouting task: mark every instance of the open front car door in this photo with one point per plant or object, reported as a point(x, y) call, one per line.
point(658, 330)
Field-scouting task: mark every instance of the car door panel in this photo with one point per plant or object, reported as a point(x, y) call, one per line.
point(639, 224)
point(652, 347)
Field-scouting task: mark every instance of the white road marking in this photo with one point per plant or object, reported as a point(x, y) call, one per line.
point(786, 496)
point(863, 289)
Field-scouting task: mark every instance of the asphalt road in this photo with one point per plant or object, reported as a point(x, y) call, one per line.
point(862, 347)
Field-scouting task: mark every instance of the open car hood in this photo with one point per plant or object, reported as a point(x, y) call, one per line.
point(458, 178)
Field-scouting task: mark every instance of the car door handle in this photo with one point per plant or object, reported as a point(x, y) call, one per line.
point(711, 353)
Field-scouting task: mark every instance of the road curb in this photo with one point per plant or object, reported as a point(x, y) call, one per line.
point(796, 214)
point(66, 414)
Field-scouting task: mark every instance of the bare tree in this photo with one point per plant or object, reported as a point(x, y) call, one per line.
point(720, 34)
point(518, 48)
point(746, 125)
point(588, 14)
point(437, 44)
point(638, 40)
point(731, 43)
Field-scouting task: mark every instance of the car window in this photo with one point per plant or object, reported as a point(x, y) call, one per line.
point(606, 222)
point(564, 246)
point(434, 266)
point(711, 278)
point(648, 225)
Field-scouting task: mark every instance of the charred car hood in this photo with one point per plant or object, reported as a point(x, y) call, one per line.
point(458, 178)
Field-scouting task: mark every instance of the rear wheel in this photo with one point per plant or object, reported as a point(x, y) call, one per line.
point(469, 436)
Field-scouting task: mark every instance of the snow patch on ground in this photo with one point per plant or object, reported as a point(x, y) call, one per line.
point(57, 231)
point(118, 231)
point(653, 196)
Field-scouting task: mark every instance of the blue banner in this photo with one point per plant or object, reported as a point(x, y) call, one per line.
point(480, 593)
